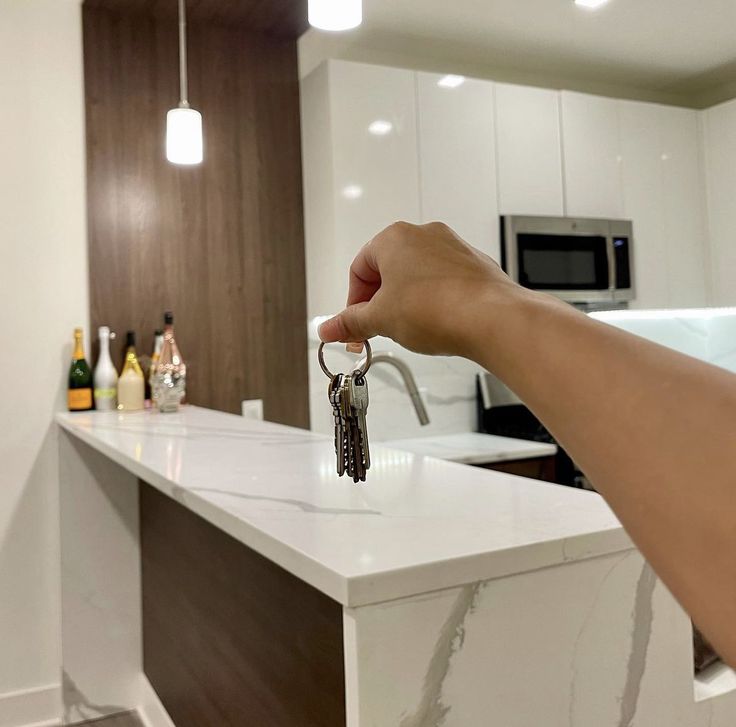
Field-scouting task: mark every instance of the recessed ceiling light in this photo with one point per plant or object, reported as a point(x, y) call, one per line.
point(352, 191)
point(592, 4)
point(335, 14)
point(380, 127)
point(451, 81)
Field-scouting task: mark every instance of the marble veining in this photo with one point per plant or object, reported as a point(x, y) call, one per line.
point(641, 631)
point(574, 666)
point(431, 710)
point(180, 494)
point(592, 643)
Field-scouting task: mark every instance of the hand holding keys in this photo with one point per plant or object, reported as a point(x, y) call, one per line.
point(348, 394)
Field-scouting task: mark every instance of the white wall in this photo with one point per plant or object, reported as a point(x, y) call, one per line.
point(43, 295)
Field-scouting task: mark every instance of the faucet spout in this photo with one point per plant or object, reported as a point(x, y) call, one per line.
point(408, 378)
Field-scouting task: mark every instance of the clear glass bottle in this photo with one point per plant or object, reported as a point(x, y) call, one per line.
point(158, 342)
point(79, 388)
point(171, 371)
point(131, 384)
point(106, 375)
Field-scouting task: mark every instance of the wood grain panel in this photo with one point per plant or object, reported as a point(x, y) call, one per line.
point(285, 18)
point(229, 638)
point(220, 244)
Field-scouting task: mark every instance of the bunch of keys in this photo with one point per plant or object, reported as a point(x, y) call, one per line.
point(348, 395)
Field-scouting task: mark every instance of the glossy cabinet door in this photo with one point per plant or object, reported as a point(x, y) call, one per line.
point(663, 196)
point(528, 151)
point(457, 158)
point(641, 172)
point(360, 167)
point(685, 230)
point(591, 156)
point(720, 164)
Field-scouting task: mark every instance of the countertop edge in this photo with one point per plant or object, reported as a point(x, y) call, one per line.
point(362, 590)
point(323, 579)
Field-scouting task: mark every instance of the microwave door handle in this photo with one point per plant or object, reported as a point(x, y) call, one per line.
point(611, 255)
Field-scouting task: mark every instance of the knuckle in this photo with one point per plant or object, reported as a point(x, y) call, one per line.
point(437, 226)
point(400, 227)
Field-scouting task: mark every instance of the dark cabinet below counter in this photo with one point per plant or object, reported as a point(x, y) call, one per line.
point(537, 468)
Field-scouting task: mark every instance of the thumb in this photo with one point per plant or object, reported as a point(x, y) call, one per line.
point(353, 325)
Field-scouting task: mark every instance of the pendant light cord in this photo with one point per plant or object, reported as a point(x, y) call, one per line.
point(183, 85)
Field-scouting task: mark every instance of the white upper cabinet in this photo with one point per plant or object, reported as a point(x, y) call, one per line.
point(590, 143)
point(384, 144)
point(360, 167)
point(663, 196)
point(720, 148)
point(457, 158)
point(528, 150)
point(683, 194)
point(641, 172)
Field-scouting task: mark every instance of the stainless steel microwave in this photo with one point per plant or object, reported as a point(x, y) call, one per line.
point(582, 261)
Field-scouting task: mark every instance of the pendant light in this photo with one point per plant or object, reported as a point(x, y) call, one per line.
point(183, 124)
point(335, 14)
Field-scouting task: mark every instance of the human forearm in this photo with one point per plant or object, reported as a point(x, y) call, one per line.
point(654, 430)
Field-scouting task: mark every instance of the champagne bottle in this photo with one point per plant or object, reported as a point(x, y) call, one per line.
point(106, 375)
point(131, 385)
point(171, 371)
point(79, 391)
point(158, 342)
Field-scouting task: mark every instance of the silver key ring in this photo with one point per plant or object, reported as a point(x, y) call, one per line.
point(361, 373)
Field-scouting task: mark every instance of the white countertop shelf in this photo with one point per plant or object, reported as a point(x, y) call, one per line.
point(419, 524)
point(474, 448)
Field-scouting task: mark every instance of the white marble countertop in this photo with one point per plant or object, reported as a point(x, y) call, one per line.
point(419, 524)
point(474, 447)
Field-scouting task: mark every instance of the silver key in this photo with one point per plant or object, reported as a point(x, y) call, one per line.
point(359, 404)
point(357, 471)
point(335, 396)
point(349, 425)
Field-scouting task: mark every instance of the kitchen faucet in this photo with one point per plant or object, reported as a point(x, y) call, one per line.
point(408, 377)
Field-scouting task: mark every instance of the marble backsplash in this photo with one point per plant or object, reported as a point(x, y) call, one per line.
point(447, 384)
point(705, 333)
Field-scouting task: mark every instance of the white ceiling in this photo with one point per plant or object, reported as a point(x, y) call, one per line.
point(676, 47)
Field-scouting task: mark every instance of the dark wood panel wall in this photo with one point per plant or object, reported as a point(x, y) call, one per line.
point(220, 244)
point(229, 638)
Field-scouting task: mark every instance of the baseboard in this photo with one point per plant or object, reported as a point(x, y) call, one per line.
point(37, 707)
point(150, 710)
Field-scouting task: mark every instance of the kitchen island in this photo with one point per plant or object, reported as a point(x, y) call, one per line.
point(216, 571)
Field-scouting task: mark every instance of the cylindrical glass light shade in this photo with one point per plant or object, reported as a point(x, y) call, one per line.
point(184, 136)
point(335, 14)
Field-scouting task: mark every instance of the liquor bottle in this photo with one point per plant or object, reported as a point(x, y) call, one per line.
point(79, 391)
point(158, 342)
point(169, 384)
point(106, 375)
point(131, 385)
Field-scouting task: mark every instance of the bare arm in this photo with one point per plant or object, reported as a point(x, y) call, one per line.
point(654, 430)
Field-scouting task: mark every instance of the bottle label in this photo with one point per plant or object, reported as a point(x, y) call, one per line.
point(106, 399)
point(79, 399)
